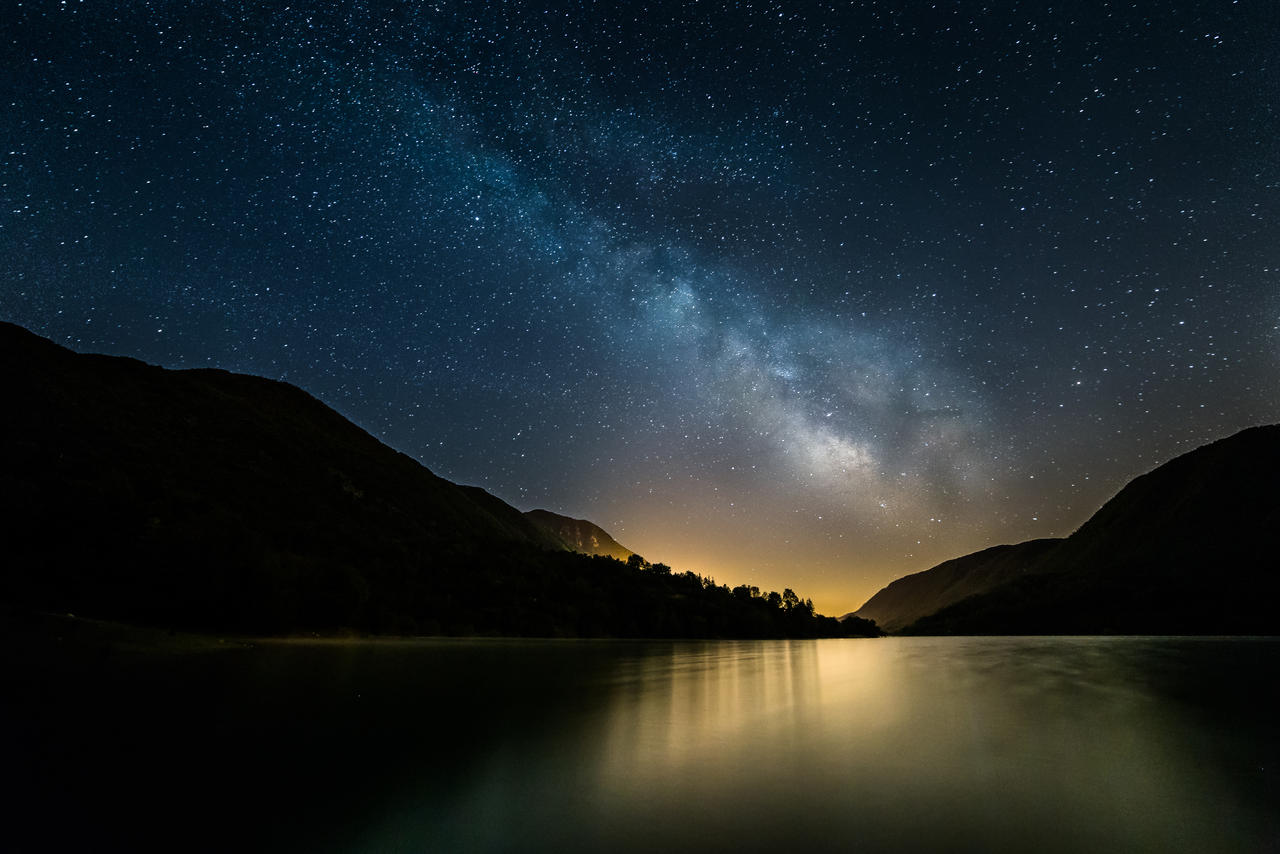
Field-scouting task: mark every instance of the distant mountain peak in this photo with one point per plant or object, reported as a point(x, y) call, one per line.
point(578, 535)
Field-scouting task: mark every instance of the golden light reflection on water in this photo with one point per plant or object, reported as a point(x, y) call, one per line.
point(728, 704)
point(898, 744)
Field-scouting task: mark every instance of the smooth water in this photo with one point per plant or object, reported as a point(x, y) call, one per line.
point(896, 744)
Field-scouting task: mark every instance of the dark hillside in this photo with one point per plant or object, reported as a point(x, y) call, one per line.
point(209, 500)
point(909, 598)
point(1189, 548)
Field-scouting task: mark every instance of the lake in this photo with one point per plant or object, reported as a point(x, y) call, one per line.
point(895, 744)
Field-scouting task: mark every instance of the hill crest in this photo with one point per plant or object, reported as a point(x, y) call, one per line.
point(1187, 548)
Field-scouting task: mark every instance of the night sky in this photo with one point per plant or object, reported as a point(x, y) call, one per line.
point(793, 295)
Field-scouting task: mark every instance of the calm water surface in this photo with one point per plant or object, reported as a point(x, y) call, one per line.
point(900, 744)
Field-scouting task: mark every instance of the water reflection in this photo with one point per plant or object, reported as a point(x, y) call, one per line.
point(900, 744)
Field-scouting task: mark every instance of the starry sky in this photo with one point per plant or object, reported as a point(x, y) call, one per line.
point(805, 295)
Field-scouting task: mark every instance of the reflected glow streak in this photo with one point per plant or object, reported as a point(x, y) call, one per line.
point(982, 744)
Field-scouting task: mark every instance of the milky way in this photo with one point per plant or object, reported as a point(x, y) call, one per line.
point(786, 294)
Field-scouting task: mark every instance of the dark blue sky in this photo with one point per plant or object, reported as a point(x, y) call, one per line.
point(789, 294)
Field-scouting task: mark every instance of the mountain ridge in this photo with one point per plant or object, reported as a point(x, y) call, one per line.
point(206, 500)
point(914, 596)
point(1181, 549)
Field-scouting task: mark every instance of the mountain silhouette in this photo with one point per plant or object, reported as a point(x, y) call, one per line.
point(912, 597)
point(209, 500)
point(1189, 548)
point(578, 535)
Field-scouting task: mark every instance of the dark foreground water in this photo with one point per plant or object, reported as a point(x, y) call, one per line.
point(910, 744)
